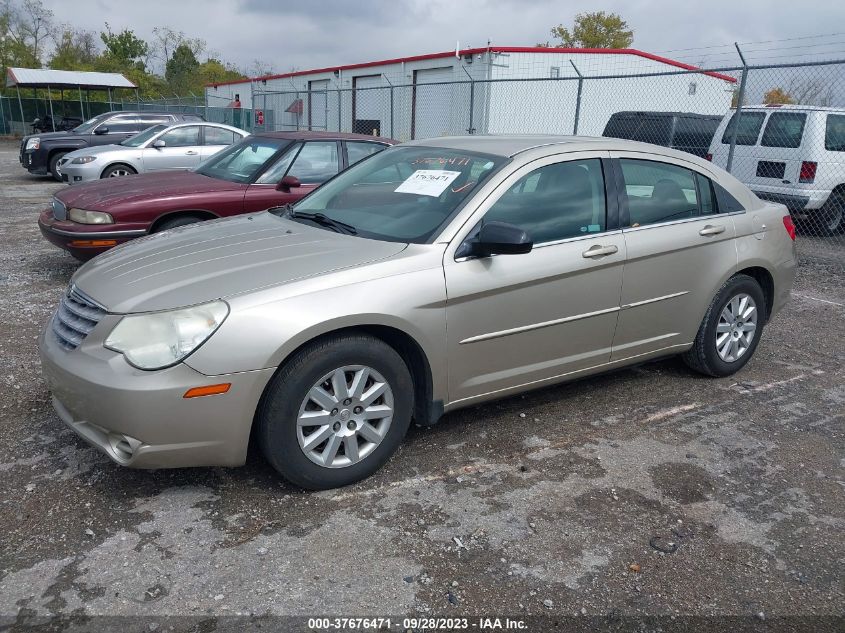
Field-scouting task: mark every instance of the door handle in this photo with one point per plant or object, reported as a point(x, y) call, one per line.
point(600, 251)
point(191, 152)
point(712, 230)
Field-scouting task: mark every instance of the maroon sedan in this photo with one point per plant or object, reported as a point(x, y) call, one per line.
point(261, 171)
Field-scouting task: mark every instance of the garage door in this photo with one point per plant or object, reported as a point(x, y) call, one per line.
point(318, 104)
point(432, 104)
point(367, 104)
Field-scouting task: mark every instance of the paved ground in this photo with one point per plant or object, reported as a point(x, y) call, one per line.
point(542, 504)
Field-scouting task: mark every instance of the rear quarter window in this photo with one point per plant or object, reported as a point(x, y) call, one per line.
point(694, 131)
point(748, 130)
point(834, 133)
point(784, 129)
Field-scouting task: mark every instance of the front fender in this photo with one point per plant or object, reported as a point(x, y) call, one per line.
point(263, 329)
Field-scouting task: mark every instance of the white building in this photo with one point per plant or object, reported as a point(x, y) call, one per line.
point(510, 89)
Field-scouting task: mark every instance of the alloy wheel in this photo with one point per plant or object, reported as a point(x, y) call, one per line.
point(736, 327)
point(345, 416)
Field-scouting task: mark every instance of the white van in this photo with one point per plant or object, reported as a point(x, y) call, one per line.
point(790, 154)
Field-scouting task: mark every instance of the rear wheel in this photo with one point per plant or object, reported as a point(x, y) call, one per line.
point(730, 330)
point(54, 165)
point(831, 217)
point(336, 412)
point(116, 171)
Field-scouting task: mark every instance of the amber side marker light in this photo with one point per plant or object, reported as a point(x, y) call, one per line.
point(93, 243)
point(209, 390)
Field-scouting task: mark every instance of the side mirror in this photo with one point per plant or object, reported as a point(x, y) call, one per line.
point(101, 130)
point(287, 183)
point(501, 238)
point(159, 143)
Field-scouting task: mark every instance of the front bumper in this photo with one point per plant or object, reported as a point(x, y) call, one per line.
point(85, 241)
point(140, 418)
point(30, 161)
point(75, 174)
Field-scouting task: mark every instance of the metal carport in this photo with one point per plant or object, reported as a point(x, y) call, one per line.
point(63, 79)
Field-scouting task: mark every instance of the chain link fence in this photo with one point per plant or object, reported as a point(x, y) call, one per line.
point(778, 128)
point(17, 115)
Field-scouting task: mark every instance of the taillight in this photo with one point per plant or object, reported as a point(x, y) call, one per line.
point(709, 157)
point(789, 225)
point(808, 171)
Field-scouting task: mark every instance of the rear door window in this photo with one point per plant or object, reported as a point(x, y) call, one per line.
point(748, 130)
point(658, 192)
point(784, 129)
point(654, 130)
point(218, 136)
point(694, 132)
point(621, 127)
point(359, 151)
point(834, 133)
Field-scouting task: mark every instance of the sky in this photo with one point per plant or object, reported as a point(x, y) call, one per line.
point(306, 34)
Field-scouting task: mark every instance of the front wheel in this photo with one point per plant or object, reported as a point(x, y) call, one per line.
point(116, 171)
point(54, 165)
point(336, 412)
point(730, 330)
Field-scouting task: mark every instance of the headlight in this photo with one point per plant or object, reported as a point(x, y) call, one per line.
point(83, 160)
point(160, 339)
point(89, 217)
point(33, 143)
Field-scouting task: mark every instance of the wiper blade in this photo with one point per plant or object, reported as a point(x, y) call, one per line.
point(324, 220)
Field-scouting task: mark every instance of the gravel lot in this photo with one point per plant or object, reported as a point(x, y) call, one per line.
point(550, 505)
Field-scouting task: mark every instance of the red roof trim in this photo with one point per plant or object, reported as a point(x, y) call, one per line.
point(477, 51)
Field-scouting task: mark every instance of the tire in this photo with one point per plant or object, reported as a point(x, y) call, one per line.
point(181, 220)
point(54, 165)
point(295, 449)
point(706, 356)
point(830, 219)
point(115, 171)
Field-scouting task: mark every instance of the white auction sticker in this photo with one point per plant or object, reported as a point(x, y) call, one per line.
point(428, 182)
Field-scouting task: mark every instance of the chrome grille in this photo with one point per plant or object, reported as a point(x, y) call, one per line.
point(59, 209)
point(75, 317)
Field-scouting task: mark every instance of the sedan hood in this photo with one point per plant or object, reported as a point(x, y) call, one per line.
point(218, 259)
point(108, 193)
point(96, 151)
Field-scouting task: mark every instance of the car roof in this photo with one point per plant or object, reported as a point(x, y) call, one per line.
point(303, 135)
point(792, 107)
point(156, 112)
point(203, 123)
point(639, 113)
point(509, 145)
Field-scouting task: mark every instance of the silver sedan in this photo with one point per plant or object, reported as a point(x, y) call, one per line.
point(431, 276)
point(159, 148)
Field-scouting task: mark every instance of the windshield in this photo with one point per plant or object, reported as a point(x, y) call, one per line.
point(403, 194)
point(243, 161)
point(90, 124)
point(142, 137)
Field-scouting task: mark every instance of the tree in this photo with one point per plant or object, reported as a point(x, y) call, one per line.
point(74, 49)
point(777, 96)
point(166, 41)
point(23, 30)
point(213, 71)
point(124, 49)
point(594, 30)
point(810, 91)
point(180, 72)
